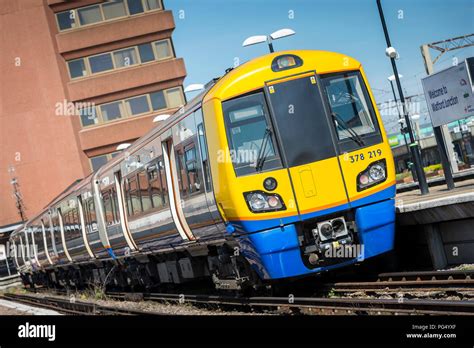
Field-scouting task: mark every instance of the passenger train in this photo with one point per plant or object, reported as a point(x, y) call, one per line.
point(277, 170)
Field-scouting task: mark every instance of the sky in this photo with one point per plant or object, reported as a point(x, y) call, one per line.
point(209, 34)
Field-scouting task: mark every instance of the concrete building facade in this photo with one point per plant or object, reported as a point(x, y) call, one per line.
point(79, 78)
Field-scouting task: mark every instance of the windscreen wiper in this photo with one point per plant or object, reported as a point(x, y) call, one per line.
point(352, 134)
point(261, 153)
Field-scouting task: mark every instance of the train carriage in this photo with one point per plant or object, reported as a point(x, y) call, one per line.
point(279, 169)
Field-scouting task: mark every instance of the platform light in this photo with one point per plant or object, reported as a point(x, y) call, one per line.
point(391, 78)
point(256, 39)
point(194, 87)
point(282, 33)
point(123, 146)
point(162, 117)
point(252, 40)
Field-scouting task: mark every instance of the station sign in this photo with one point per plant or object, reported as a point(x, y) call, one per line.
point(449, 95)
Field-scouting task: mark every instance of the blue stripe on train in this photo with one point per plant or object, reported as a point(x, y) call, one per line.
point(249, 226)
point(274, 252)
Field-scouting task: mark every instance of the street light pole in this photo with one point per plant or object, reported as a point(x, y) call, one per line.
point(402, 129)
point(413, 144)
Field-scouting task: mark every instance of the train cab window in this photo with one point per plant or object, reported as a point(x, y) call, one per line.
point(249, 134)
point(352, 111)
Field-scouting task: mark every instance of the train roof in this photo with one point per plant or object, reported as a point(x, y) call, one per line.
point(253, 74)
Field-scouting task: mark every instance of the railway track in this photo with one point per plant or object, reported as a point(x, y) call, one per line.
point(400, 282)
point(66, 306)
point(412, 282)
point(317, 305)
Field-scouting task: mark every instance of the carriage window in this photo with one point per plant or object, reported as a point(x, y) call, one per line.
point(204, 158)
point(144, 192)
point(351, 108)
point(90, 209)
point(156, 187)
point(115, 205)
point(194, 183)
point(133, 197)
point(249, 134)
point(108, 210)
point(182, 177)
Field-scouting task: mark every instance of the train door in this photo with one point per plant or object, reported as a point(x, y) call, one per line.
point(47, 250)
point(173, 190)
point(62, 233)
point(191, 180)
point(119, 208)
point(308, 150)
point(84, 226)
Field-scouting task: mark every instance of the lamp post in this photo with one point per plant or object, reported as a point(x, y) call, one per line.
point(252, 40)
point(391, 78)
point(392, 54)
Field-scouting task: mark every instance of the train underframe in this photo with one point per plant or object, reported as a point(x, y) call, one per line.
point(245, 262)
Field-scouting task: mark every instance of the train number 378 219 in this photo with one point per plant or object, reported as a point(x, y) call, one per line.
point(362, 156)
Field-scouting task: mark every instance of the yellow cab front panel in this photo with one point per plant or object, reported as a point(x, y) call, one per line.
point(281, 131)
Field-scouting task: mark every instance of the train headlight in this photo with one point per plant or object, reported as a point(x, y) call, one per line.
point(257, 201)
point(374, 174)
point(260, 201)
point(286, 61)
point(377, 172)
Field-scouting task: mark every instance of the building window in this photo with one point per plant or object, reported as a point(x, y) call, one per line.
point(89, 15)
point(163, 49)
point(111, 111)
point(88, 116)
point(158, 101)
point(99, 161)
point(135, 6)
point(121, 58)
point(107, 11)
point(114, 9)
point(153, 4)
point(101, 62)
point(138, 105)
point(77, 68)
point(146, 53)
point(174, 97)
point(66, 20)
point(125, 57)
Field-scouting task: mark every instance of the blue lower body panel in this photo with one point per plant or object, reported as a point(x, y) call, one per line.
point(275, 253)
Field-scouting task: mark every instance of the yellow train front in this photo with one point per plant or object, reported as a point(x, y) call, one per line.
point(302, 171)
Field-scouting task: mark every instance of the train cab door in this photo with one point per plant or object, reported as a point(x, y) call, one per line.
point(173, 191)
point(306, 142)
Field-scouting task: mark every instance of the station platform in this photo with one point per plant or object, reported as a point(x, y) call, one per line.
point(445, 219)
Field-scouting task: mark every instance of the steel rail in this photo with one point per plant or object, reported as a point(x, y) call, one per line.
point(351, 305)
point(71, 307)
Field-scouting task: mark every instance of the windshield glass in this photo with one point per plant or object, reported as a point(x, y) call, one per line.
point(246, 121)
point(350, 105)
